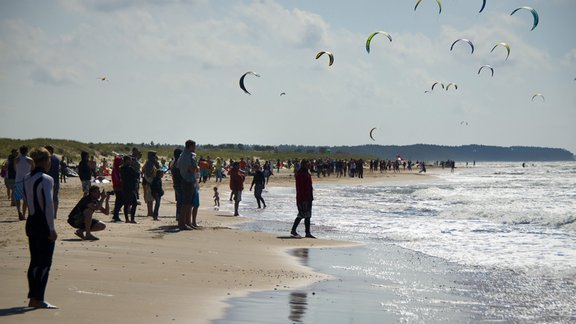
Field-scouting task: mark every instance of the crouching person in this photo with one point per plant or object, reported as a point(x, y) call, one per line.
point(81, 216)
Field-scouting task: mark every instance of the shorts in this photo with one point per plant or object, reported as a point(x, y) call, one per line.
point(19, 190)
point(304, 209)
point(237, 195)
point(189, 194)
point(86, 185)
point(147, 194)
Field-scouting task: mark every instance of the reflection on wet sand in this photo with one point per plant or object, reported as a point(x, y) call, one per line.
point(301, 254)
point(298, 306)
point(297, 301)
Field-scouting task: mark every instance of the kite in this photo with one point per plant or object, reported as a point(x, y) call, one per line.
point(505, 45)
point(464, 123)
point(437, 1)
point(103, 78)
point(435, 83)
point(372, 130)
point(538, 95)
point(486, 66)
point(534, 14)
point(453, 84)
point(464, 40)
point(483, 5)
point(374, 34)
point(242, 80)
point(282, 93)
point(329, 55)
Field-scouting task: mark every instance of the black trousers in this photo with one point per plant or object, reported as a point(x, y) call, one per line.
point(41, 251)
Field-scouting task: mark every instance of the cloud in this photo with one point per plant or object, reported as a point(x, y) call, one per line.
point(296, 27)
point(108, 6)
point(27, 50)
point(569, 59)
point(54, 75)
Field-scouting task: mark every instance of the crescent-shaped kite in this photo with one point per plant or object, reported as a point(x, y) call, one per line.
point(242, 80)
point(374, 34)
point(435, 83)
point(534, 14)
point(330, 55)
point(437, 1)
point(371, 131)
point(486, 66)
point(282, 93)
point(451, 84)
point(483, 5)
point(505, 45)
point(538, 95)
point(463, 40)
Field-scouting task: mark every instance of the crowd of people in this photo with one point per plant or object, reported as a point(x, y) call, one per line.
point(33, 185)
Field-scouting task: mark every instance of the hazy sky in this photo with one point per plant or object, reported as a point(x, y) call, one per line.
point(172, 71)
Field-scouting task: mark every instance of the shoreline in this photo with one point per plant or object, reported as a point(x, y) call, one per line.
point(143, 272)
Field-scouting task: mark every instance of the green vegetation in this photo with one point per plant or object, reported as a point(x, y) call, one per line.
point(71, 149)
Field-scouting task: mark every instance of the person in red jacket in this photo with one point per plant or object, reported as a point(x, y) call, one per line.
point(304, 197)
point(117, 186)
point(236, 185)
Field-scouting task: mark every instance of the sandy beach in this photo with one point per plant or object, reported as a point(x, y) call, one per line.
point(149, 272)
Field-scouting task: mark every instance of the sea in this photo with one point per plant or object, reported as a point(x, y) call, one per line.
point(489, 243)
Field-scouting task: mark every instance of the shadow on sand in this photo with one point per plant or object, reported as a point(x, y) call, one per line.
point(15, 311)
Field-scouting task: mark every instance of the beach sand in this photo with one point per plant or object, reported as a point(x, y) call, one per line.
point(151, 273)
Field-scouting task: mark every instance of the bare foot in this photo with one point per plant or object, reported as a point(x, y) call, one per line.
point(41, 304)
point(79, 233)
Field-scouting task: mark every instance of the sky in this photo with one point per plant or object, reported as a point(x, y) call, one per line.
point(172, 70)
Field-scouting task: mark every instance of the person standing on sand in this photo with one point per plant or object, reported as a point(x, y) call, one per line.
point(84, 172)
point(129, 178)
point(81, 216)
point(63, 170)
point(259, 182)
point(218, 169)
point(92, 165)
point(117, 187)
point(190, 198)
point(236, 185)
point(177, 182)
point(23, 165)
point(304, 198)
point(54, 172)
point(11, 176)
point(157, 192)
point(40, 227)
point(148, 175)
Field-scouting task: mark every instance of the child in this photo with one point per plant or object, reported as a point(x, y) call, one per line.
point(216, 197)
point(157, 192)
